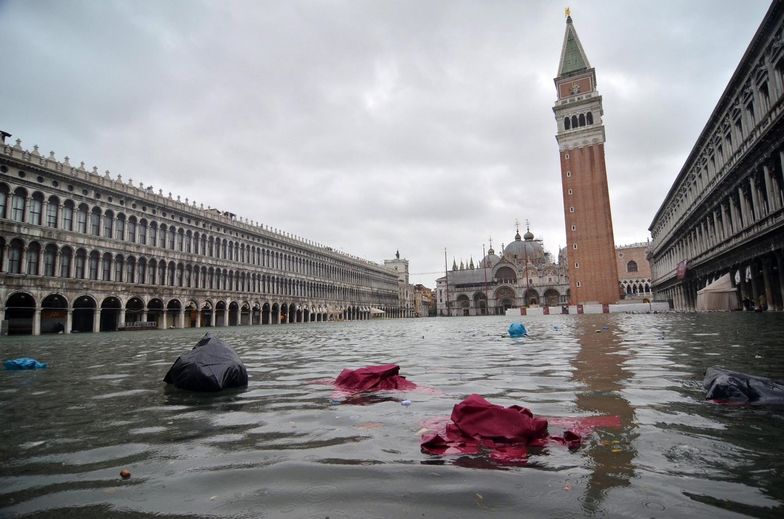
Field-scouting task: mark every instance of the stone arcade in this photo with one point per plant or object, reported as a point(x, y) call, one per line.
point(82, 252)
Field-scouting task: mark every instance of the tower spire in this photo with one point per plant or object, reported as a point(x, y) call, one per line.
point(573, 58)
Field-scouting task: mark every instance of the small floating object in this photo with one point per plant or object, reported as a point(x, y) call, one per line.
point(125, 474)
point(334, 401)
point(406, 403)
point(598, 331)
point(23, 363)
point(210, 366)
point(517, 330)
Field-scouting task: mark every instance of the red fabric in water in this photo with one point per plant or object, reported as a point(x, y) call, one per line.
point(373, 378)
point(506, 432)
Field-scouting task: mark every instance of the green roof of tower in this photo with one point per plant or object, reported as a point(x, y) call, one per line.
point(573, 57)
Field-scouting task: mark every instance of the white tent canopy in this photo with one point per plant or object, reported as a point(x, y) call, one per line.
point(719, 295)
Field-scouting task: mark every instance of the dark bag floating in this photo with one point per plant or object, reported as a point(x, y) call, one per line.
point(373, 378)
point(732, 387)
point(209, 366)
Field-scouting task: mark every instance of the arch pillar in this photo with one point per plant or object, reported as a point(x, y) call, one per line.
point(212, 317)
point(144, 316)
point(37, 321)
point(57, 263)
point(780, 265)
point(97, 318)
point(6, 249)
point(198, 318)
point(68, 320)
point(766, 283)
point(164, 325)
point(121, 320)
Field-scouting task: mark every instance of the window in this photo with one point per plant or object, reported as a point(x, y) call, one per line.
point(49, 258)
point(574, 227)
point(132, 230)
point(142, 272)
point(94, 266)
point(567, 123)
point(570, 191)
point(106, 266)
point(172, 233)
point(108, 224)
point(120, 230)
point(35, 210)
point(574, 245)
point(3, 201)
point(15, 258)
point(118, 268)
point(18, 205)
point(631, 266)
point(80, 265)
point(568, 173)
point(589, 118)
point(179, 241)
point(33, 253)
point(579, 284)
point(65, 264)
point(153, 235)
point(130, 271)
point(51, 213)
point(95, 223)
point(571, 209)
point(68, 217)
point(577, 264)
point(566, 156)
point(143, 233)
point(81, 220)
point(582, 119)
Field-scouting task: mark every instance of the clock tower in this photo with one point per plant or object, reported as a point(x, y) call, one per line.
point(593, 273)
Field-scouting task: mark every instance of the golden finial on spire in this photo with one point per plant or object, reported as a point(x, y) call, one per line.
point(567, 12)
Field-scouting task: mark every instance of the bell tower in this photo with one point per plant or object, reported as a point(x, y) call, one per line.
point(593, 273)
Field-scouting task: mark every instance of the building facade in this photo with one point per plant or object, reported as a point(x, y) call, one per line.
point(405, 289)
point(524, 275)
point(634, 272)
point(593, 274)
point(724, 214)
point(84, 252)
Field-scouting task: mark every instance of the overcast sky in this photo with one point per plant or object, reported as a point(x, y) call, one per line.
point(369, 126)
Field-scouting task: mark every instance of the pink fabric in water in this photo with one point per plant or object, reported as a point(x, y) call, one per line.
point(373, 378)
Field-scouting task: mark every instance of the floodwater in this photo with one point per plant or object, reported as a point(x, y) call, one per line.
point(283, 448)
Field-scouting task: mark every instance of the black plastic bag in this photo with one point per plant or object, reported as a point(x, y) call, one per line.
point(209, 366)
point(739, 388)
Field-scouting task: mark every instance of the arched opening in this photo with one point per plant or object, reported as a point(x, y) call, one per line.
point(54, 310)
point(275, 314)
point(582, 119)
point(298, 314)
point(155, 312)
point(480, 303)
point(134, 310)
point(589, 118)
point(256, 314)
point(551, 297)
point(206, 314)
point(110, 314)
point(173, 314)
point(574, 121)
point(19, 312)
point(284, 313)
point(245, 315)
point(567, 123)
point(306, 315)
point(265, 313)
point(464, 304)
point(84, 308)
point(292, 313)
point(192, 317)
point(531, 297)
point(506, 275)
point(505, 299)
point(220, 314)
point(234, 310)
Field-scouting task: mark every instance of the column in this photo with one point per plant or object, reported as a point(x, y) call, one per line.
point(23, 261)
point(68, 320)
point(163, 325)
point(144, 316)
point(37, 321)
point(6, 249)
point(121, 321)
point(773, 198)
point(755, 198)
point(766, 283)
point(742, 206)
point(57, 264)
point(734, 227)
point(181, 318)
point(724, 222)
point(754, 285)
point(198, 318)
point(780, 265)
point(212, 318)
point(97, 320)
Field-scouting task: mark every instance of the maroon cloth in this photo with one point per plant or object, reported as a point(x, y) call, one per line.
point(506, 432)
point(373, 378)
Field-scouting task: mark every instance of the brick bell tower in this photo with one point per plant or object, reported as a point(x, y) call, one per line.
point(593, 273)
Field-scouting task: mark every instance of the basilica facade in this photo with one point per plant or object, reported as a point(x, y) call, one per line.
point(523, 275)
point(85, 252)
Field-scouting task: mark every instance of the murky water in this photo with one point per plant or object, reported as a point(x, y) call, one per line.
point(282, 449)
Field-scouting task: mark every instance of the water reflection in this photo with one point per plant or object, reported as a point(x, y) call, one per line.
point(599, 369)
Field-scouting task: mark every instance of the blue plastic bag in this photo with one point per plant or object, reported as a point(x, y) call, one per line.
point(23, 363)
point(517, 330)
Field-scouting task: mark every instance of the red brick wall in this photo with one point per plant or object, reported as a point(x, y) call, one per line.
point(593, 234)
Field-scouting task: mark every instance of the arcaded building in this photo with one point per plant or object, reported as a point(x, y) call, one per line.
point(634, 271)
point(593, 274)
point(724, 214)
point(84, 252)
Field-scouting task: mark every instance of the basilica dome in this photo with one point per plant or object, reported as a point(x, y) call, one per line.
point(490, 260)
point(524, 250)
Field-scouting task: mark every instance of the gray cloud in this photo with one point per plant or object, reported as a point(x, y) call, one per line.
point(370, 126)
